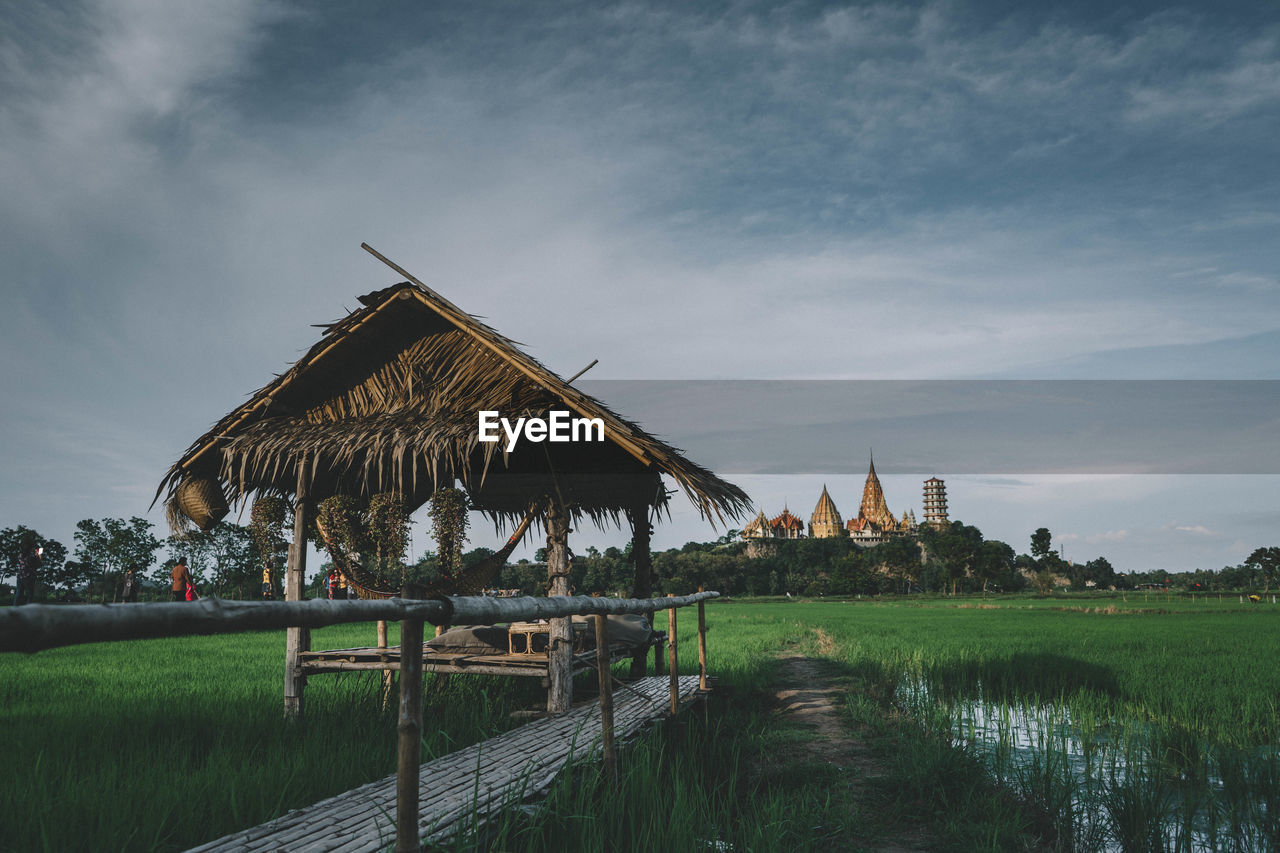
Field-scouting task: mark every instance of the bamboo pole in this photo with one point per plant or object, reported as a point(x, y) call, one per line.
point(671, 645)
point(409, 748)
point(388, 678)
point(603, 669)
point(297, 638)
point(36, 627)
point(702, 644)
point(643, 584)
point(560, 637)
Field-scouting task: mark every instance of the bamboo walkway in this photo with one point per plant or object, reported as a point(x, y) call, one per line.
point(471, 783)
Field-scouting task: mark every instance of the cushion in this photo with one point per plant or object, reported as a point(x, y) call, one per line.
point(628, 629)
point(471, 639)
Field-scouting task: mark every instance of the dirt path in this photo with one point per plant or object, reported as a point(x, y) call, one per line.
point(807, 697)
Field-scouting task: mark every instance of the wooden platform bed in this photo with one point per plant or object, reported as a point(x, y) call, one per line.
point(479, 657)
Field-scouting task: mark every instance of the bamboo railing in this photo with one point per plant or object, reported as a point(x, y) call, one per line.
point(36, 627)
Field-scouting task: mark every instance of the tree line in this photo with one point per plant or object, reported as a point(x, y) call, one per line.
point(227, 561)
point(224, 561)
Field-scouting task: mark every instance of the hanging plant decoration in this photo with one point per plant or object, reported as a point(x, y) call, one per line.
point(265, 522)
point(449, 508)
point(366, 540)
point(340, 525)
point(387, 528)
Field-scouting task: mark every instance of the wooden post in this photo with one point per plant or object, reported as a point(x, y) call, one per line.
point(671, 645)
point(409, 748)
point(388, 677)
point(560, 652)
point(606, 701)
point(643, 584)
point(297, 640)
point(702, 644)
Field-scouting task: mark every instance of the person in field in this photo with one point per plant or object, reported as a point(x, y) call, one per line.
point(130, 592)
point(181, 580)
point(269, 580)
point(332, 584)
point(30, 558)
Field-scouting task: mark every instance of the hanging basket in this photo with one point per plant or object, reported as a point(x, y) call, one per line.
point(202, 501)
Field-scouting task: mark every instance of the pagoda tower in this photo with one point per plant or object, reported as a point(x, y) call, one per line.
point(935, 502)
point(825, 521)
point(874, 509)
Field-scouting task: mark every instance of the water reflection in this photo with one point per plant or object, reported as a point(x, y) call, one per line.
point(1112, 785)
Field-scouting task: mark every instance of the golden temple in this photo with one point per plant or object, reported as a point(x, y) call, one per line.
point(874, 524)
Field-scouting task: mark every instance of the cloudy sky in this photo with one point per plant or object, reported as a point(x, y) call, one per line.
point(938, 190)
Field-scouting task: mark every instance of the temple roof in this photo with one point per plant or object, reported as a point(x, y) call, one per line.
point(825, 512)
point(787, 521)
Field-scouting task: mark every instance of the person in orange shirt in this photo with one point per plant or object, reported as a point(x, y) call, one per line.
point(181, 579)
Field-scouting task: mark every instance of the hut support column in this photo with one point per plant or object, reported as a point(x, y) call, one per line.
point(675, 664)
point(297, 640)
point(702, 644)
point(559, 655)
point(409, 731)
point(605, 674)
point(643, 585)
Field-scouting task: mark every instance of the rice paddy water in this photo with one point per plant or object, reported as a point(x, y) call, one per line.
point(1132, 729)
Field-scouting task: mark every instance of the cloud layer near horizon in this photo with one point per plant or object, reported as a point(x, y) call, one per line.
point(935, 190)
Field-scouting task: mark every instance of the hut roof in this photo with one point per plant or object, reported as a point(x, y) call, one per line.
point(388, 399)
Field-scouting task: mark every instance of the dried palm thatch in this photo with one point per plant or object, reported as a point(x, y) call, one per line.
point(387, 400)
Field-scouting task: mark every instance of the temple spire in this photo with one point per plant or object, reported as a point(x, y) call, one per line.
point(873, 508)
point(825, 521)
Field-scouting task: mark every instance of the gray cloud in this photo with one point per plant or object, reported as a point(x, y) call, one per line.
point(895, 190)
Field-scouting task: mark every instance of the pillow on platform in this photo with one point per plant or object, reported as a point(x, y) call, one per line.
point(471, 640)
point(628, 629)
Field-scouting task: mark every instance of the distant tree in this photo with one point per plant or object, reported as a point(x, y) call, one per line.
point(1041, 542)
point(425, 571)
point(957, 548)
point(223, 560)
point(52, 572)
point(1100, 572)
point(899, 560)
point(993, 563)
point(730, 537)
point(105, 549)
point(1265, 561)
point(852, 575)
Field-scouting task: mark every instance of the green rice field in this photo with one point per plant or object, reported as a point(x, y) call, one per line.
point(1139, 723)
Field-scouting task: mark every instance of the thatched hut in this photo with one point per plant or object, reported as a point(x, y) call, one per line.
point(388, 400)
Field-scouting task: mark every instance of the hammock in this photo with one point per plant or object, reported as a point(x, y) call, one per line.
point(472, 580)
